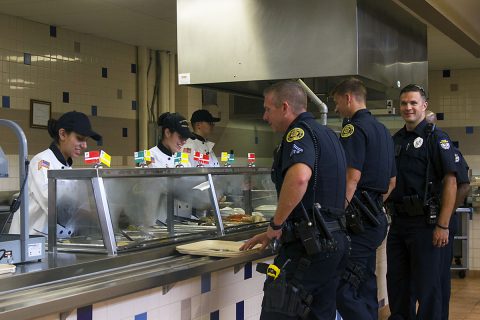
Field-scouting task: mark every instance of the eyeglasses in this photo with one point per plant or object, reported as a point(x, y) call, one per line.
point(415, 88)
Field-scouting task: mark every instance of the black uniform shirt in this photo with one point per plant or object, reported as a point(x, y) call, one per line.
point(368, 148)
point(462, 168)
point(411, 160)
point(298, 146)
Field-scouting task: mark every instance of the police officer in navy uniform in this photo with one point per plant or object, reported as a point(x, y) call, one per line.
point(421, 205)
point(308, 167)
point(371, 170)
point(463, 188)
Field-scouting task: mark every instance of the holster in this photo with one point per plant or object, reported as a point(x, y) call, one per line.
point(316, 236)
point(288, 298)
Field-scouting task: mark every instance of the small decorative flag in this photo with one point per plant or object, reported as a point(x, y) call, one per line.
point(92, 157)
point(105, 158)
point(197, 156)
point(224, 157)
point(184, 158)
point(205, 159)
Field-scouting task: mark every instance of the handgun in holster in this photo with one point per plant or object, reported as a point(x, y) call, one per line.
point(286, 298)
point(365, 211)
point(354, 220)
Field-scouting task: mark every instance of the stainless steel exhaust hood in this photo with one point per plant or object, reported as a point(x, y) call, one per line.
point(242, 46)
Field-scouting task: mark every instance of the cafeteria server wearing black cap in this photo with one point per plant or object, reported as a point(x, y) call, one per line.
point(70, 133)
point(202, 124)
point(175, 133)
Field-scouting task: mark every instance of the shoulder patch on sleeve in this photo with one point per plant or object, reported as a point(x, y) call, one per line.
point(295, 134)
point(347, 131)
point(445, 144)
point(43, 164)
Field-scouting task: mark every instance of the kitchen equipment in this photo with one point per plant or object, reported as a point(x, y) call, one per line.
point(215, 248)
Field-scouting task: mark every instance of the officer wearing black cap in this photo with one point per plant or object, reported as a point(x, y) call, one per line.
point(371, 175)
point(421, 206)
point(463, 188)
point(309, 175)
point(70, 133)
point(175, 133)
point(202, 124)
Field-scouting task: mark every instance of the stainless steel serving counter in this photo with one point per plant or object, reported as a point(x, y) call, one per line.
point(65, 281)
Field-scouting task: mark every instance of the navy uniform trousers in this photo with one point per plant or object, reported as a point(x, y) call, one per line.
point(362, 302)
point(320, 279)
point(414, 270)
point(447, 263)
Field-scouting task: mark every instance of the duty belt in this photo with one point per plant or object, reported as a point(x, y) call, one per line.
point(289, 235)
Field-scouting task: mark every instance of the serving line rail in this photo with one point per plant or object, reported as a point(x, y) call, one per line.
point(63, 286)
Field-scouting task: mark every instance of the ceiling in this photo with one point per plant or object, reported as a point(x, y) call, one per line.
point(152, 23)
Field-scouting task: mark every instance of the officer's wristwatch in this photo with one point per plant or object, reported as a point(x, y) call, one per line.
point(275, 226)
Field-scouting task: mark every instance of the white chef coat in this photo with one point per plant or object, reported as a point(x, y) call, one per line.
point(38, 190)
point(161, 159)
point(204, 147)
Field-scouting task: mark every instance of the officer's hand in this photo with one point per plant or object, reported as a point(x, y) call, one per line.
point(273, 234)
point(261, 238)
point(440, 237)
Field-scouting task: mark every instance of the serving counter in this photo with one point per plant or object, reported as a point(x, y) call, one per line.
point(113, 234)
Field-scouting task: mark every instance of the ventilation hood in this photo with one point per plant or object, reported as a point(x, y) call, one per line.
point(242, 46)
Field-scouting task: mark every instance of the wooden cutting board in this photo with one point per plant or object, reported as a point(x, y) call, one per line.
point(215, 248)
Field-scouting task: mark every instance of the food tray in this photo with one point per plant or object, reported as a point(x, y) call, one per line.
point(215, 248)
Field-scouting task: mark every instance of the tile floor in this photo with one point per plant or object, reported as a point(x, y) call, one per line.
point(465, 299)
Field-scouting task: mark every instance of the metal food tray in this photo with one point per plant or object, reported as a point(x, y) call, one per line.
point(215, 248)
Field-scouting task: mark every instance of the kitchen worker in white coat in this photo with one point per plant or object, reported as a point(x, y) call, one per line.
point(70, 134)
point(175, 133)
point(202, 123)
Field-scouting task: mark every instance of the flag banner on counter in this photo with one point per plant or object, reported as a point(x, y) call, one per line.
point(251, 157)
point(224, 157)
point(92, 157)
point(142, 156)
point(197, 156)
point(105, 158)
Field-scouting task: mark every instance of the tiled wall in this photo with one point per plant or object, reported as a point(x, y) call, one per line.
point(72, 71)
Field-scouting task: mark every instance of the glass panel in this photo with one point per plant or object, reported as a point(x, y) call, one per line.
point(245, 198)
point(77, 217)
point(141, 208)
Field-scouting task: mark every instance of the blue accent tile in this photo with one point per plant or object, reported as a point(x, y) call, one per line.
point(94, 110)
point(142, 316)
point(240, 311)
point(133, 68)
point(206, 284)
point(124, 132)
point(440, 116)
point(100, 142)
point(456, 144)
point(85, 313)
point(66, 97)
point(247, 271)
point(446, 73)
point(215, 315)
point(27, 58)
point(6, 101)
point(53, 31)
point(104, 73)
point(469, 130)
point(134, 104)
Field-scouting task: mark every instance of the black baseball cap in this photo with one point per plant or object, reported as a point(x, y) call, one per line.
point(176, 123)
point(203, 115)
point(77, 122)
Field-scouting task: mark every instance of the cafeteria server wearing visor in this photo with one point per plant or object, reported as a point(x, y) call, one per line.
point(70, 133)
point(202, 124)
point(175, 133)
